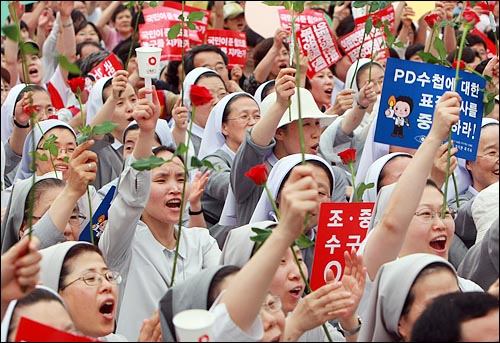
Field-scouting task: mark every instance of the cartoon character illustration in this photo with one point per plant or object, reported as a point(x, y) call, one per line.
point(399, 110)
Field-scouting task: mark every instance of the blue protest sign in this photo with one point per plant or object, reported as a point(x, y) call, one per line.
point(99, 219)
point(409, 95)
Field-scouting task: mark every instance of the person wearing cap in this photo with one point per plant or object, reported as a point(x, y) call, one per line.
point(234, 17)
point(275, 136)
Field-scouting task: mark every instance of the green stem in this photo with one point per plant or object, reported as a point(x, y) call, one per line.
point(275, 208)
point(132, 40)
point(359, 57)
point(182, 59)
point(448, 161)
point(354, 193)
point(433, 32)
point(308, 288)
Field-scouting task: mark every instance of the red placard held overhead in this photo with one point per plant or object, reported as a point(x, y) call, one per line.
point(31, 331)
point(107, 67)
point(341, 227)
point(233, 43)
point(302, 20)
point(384, 15)
point(156, 34)
point(374, 44)
point(318, 43)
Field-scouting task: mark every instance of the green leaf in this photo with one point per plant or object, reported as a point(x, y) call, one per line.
point(368, 25)
point(272, 3)
point(427, 57)
point(488, 107)
point(439, 46)
point(288, 5)
point(298, 6)
point(104, 128)
point(196, 162)
point(28, 49)
point(12, 33)
point(304, 242)
point(359, 4)
point(181, 149)
point(361, 190)
point(148, 163)
point(195, 16)
point(399, 44)
point(260, 231)
point(72, 68)
point(174, 31)
point(66, 159)
point(191, 26)
point(130, 4)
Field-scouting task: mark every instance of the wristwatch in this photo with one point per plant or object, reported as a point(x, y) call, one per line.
point(353, 331)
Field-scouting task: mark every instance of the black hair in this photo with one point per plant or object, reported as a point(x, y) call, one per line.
point(267, 89)
point(190, 55)
point(121, 8)
point(30, 88)
point(87, 63)
point(215, 286)
point(209, 74)
point(162, 148)
point(261, 49)
point(346, 26)
point(480, 67)
point(407, 99)
point(253, 38)
point(393, 53)
point(74, 251)
point(121, 50)
point(472, 39)
point(442, 320)
point(40, 188)
point(384, 170)
point(77, 17)
point(81, 45)
point(468, 55)
point(81, 25)
point(413, 50)
point(172, 77)
point(6, 75)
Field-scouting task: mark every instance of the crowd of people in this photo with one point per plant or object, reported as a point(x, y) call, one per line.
point(182, 223)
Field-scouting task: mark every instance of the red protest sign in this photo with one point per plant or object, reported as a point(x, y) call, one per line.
point(30, 331)
point(302, 20)
point(374, 43)
point(384, 15)
point(341, 227)
point(107, 67)
point(156, 34)
point(318, 43)
point(233, 43)
point(171, 11)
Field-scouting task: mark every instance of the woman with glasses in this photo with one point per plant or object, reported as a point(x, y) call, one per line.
point(225, 130)
point(78, 273)
point(56, 215)
point(412, 217)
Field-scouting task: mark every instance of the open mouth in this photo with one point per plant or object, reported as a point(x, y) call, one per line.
point(438, 243)
point(174, 203)
point(328, 91)
point(107, 309)
point(296, 292)
point(283, 65)
point(33, 71)
point(62, 168)
point(315, 148)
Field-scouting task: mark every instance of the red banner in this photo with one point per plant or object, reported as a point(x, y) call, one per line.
point(318, 43)
point(171, 12)
point(374, 44)
point(302, 20)
point(341, 227)
point(233, 43)
point(31, 331)
point(386, 14)
point(107, 67)
point(156, 34)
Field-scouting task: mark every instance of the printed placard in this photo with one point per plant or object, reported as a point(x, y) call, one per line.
point(32, 331)
point(384, 15)
point(374, 43)
point(233, 43)
point(302, 20)
point(170, 11)
point(318, 43)
point(417, 87)
point(341, 226)
point(107, 67)
point(156, 34)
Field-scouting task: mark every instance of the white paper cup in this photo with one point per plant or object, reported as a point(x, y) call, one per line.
point(194, 325)
point(148, 61)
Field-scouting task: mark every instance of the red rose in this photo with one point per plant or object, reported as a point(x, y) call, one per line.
point(455, 64)
point(258, 174)
point(77, 83)
point(432, 19)
point(348, 155)
point(200, 95)
point(471, 17)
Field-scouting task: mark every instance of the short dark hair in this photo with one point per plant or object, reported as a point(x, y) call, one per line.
point(472, 39)
point(413, 50)
point(81, 45)
point(190, 55)
point(442, 320)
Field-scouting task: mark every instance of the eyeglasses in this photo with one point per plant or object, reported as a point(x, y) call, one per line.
point(74, 220)
point(246, 118)
point(68, 150)
point(219, 67)
point(95, 278)
point(492, 155)
point(47, 112)
point(427, 215)
point(272, 303)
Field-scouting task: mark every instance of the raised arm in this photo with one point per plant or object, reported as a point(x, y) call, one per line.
point(300, 197)
point(265, 66)
point(388, 235)
point(67, 36)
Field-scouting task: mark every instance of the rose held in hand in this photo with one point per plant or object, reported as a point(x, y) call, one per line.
point(77, 84)
point(258, 174)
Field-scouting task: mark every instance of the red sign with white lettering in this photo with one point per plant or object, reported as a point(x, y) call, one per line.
point(156, 34)
point(318, 43)
point(341, 226)
point(107, 67)
point(233, 43)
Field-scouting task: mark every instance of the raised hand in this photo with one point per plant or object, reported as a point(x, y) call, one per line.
point(446, 114)
point(119, 83)
point(82, 168)
point(285, 86)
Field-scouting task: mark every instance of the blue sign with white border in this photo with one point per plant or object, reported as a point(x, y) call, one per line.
point(409, 95)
